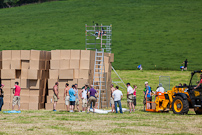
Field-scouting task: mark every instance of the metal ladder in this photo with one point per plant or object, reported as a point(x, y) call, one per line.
point(99, 79)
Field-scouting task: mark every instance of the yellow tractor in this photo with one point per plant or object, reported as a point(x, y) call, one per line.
point(180, 99)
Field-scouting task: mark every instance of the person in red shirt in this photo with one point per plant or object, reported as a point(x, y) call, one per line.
point(16, 98)
point(199, 82)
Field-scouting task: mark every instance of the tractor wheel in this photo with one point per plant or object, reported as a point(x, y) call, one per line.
point(180, 106)
point(198, 110)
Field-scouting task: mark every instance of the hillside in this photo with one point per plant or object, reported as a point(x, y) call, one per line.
point(161, 32)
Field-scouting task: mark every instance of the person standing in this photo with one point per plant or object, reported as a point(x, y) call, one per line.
point(148, 94)
point(1, 96)
point(55, 95)
point(66, 95)
point(83, 95)
point(92, 98)
point(16, 98)
point(134, 99)
point(117, 95)
point(72, 98)
point(111, 99)
point(130, 96)
point(144, 100)
point(77, 97)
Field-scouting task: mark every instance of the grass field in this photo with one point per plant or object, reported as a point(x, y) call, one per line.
point(140, 122)
point(161, 32)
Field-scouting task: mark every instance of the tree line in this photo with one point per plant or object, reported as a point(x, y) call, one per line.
point(13, 3)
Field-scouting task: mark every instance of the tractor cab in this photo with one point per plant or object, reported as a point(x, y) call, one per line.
point(195, 94)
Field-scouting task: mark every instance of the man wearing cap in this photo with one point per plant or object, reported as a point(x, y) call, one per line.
point(1, 96)
point(92, 98)
point(111, 99)
point(55, 95)
point(160, 89)
point(130, 96)
point(148, 94)
point(77, 97)
point(16, 98)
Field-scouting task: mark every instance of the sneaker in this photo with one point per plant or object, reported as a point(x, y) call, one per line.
point(87, 112)
point(97, 38)
point(54, 110)
point(83, 111)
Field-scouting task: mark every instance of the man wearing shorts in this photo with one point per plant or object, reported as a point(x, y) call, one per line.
point(148, 94)
point(16, 98)
point(77, 97)
point(130, 96)
point(72, 98)
point(83, 95)
point(66, 95)
point(92, 98)
point(55, 95)
point(111, 99)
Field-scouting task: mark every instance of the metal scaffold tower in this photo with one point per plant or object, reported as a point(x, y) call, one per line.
point(99, 37)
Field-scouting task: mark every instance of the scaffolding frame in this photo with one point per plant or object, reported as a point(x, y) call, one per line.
point(98, 37)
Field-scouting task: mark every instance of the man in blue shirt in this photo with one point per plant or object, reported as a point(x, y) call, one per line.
point(148, 95)
point(72, 98)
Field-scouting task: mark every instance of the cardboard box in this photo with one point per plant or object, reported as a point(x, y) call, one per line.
point(34, 99)
point(48, 55)
point(8, 74)
point(49, 106)
point(24, 92)
point(49, 99)
point(34, 74)
point(87, 54)
point(64, 64)
point(84, 64)
point(37, 64)
point(24, 83)
point(15, 64)
point(33, 92)
point(51, 83)
point(82, 82)
point(35, 84)
point(6, 64)
point(75, 54)
point(25, 54)
point(7, 98)
point(66, 74)
point(72, 82)
point(55, 64)
point(24, 74)
point(6, 55)
point(7, 91)
point(84, 73)
point(15, 54)
point(25, 64)
point(53, 74)
point(7, 83)
point(47, 65)
point(62, 83)
point(74, 64)
point(55, 55)
point(33, 106)
point(24, 106)
point(111, 57)
point(76, 73)
point(65, 54)
point(50, 92)
point(24, 99)
point(17, 74)
point(36, 55)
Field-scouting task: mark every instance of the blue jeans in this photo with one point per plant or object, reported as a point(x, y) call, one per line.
point(1, 102)
point(120, 107)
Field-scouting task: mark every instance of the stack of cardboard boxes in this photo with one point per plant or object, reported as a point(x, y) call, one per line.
point(69, 66)
point(30, 69)
point(37, 71)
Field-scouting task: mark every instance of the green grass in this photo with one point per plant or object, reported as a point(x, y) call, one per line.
point(159, 34)
point(139, 122)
